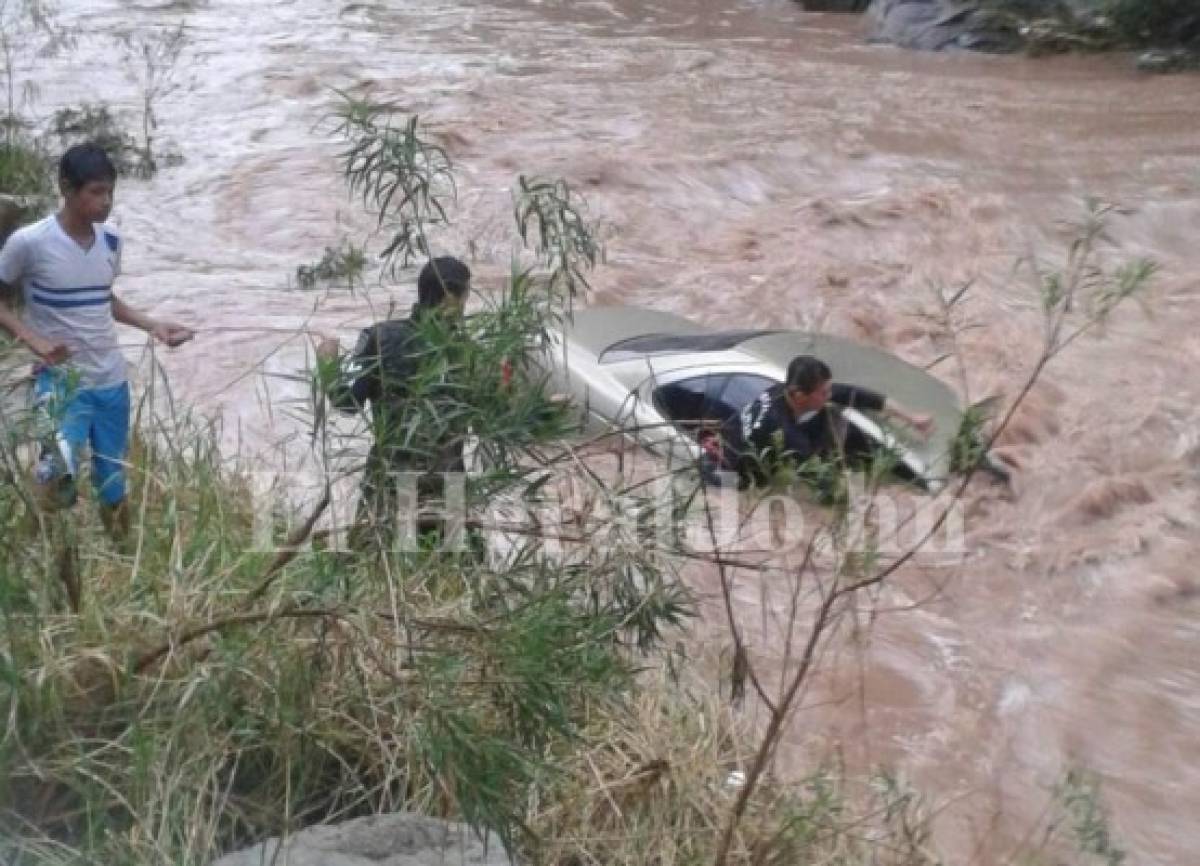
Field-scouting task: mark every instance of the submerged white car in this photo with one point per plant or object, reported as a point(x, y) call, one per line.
point(666, 381)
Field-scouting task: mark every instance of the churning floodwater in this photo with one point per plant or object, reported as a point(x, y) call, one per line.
point(754, 165)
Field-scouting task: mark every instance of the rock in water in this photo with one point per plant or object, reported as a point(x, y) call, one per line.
point(835, 5)
point(399, 839)
point(936, 25)
point(1176, 60)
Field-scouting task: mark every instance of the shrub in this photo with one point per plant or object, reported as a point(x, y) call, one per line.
point(1156, 22)
point(96, 123)
point(26, 183)
point(341, 265)
point(1094, 25)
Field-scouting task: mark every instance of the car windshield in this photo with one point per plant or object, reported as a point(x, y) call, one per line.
point(663, 344)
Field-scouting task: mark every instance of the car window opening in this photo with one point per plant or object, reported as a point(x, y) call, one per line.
point(700, 405)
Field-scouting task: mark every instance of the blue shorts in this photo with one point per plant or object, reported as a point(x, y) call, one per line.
point(98, 417)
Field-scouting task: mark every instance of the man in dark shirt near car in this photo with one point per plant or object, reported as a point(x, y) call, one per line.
point(391, 360)
point(794, 422)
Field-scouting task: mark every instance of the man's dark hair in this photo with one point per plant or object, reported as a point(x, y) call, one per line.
point(84, 163)
point(441, 277)
point(806, 373)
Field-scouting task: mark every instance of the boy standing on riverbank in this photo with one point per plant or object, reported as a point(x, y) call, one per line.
point(64, 267)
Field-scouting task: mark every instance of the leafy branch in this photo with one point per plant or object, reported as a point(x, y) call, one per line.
point(405, 179)
point(549, 218)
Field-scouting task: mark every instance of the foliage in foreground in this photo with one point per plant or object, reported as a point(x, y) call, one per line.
point(362, 686)
point(187, 710)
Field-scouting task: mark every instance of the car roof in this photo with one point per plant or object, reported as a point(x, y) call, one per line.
point(595, 329)
point(659, 343)
point(624, 333)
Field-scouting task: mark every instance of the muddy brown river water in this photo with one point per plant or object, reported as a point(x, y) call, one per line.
point(754, 166)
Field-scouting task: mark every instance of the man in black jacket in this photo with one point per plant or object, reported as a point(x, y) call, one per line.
point(393, 361)
point(794, 422)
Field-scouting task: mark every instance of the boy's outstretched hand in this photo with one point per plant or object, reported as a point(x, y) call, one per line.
point(171, 334)
point(49, 353)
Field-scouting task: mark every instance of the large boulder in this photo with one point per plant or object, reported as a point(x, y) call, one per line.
point(936, 25)
point(399, 839)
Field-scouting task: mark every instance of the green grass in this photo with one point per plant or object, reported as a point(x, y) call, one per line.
point(208, 694)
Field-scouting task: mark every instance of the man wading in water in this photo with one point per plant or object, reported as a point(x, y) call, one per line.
point(394, 361)
point(798, 422)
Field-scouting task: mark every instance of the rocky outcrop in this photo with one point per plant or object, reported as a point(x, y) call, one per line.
point(1171, 27)
point(400, 839)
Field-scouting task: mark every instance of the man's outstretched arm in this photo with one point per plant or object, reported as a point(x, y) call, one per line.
point(920, 422)
point(872, 401)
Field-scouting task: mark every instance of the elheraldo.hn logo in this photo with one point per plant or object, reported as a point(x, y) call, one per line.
point(665, 516)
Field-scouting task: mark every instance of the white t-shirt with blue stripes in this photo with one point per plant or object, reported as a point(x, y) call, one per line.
point(68, 295)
